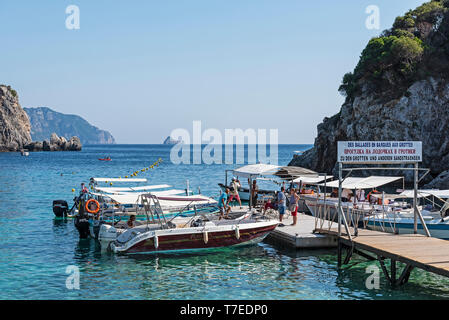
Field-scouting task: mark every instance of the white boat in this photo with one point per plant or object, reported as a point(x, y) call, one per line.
point(356, 211)
point(266, 172)
point(197, 234)
point(402, 221)
point(124, 200)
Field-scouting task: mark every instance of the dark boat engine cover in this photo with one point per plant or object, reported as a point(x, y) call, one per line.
point(60, 208)
point(82, 225)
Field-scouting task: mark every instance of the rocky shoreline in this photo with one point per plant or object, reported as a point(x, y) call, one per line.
point(56, 143)
point(15, 128)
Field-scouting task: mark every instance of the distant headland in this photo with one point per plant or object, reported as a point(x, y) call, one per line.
point(45, 121)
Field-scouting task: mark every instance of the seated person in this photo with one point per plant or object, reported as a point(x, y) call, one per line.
point(268, 205)
point(131, 223)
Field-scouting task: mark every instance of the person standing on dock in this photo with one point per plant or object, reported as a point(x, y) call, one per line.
point(235, 185)
point(282, 203)
point(223, 204)
point(294, 198)
point(254, 193)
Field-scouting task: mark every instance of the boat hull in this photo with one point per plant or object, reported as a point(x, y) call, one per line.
point(198, 241)
point(437, 230)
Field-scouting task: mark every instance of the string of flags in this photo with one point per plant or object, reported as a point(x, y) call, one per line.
point(153, 166)
point(135, 173)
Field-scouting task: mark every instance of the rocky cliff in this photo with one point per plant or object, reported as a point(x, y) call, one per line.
point(45, 121)
point(14, 124)
point(398, 91)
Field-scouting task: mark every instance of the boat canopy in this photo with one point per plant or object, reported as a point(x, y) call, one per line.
point(254, 170)
point(292, 172)
point(311, 180)
point(118, 179)
point(362, 183)
point(172, 201)
point(442, 194)
point(130, 189)
point(171, 192)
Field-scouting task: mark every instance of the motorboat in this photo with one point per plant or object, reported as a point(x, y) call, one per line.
point(125, 200)
point(106, 205)
point(198, 233)
point(277, 175)
point(105, 159)
point(326, 205)
point(401, 220)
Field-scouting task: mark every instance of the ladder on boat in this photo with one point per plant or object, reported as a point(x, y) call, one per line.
point(152, 208)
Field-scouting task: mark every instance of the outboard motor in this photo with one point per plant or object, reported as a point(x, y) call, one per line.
point(82, 221)
point(82, 225)
point(60, 208)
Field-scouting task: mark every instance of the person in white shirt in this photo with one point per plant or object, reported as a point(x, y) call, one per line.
point(235, 185)
point(345, 195)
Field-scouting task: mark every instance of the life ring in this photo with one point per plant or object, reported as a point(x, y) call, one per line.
point(96, 203)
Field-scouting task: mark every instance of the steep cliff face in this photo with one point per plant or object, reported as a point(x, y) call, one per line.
point(421, 115)
point(14, 123)
point(45, 121)
point(398, 91)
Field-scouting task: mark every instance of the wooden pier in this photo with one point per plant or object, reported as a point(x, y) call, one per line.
point(413, 250)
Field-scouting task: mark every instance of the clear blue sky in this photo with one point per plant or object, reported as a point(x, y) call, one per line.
point(142, 68)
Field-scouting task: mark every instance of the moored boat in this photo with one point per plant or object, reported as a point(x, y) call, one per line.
point(198, 233)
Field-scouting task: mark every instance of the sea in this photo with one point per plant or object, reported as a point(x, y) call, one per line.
point(43, 258)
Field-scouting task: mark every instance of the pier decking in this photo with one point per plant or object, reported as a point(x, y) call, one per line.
point(301, 236)
point(414, 250)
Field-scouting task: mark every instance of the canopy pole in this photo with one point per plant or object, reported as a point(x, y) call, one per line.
point(415, 199)
point(250, 192)
point(340, 172)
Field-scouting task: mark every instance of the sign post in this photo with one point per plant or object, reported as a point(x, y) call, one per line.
point(381, 152)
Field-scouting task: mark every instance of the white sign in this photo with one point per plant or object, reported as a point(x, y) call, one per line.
point(379, 152)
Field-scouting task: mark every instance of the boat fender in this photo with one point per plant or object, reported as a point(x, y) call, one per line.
point(237, 232)
point(156, 241)
point(206, 237)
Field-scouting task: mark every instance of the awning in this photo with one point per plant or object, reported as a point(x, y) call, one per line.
point(292, 172)
point(172, 201)
point(130, 189)
point(254, 170)
point(311, 180)
point(170, 192)
point(118, 179)
point(363, 183)
point(442, 194)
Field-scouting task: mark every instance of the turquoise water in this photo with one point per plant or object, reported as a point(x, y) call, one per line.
point(36, 249)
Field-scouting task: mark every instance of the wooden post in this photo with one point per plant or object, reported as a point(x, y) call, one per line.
point(339, 252)
point(393, 272)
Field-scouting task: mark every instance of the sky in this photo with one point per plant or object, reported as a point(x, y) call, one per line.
point(141, 69)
